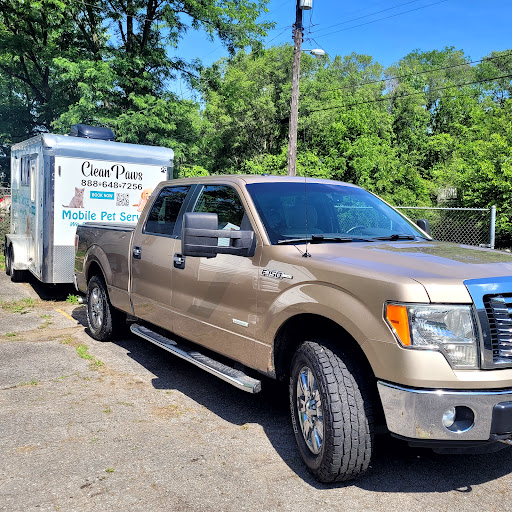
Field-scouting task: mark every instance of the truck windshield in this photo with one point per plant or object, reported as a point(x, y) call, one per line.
point(326, 212)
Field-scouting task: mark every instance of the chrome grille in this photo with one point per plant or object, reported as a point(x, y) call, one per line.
point(499, 313)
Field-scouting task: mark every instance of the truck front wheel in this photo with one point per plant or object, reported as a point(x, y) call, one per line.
point(100, 312)
point(331, 413)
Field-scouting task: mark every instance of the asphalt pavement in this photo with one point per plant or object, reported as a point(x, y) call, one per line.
point(125, 426)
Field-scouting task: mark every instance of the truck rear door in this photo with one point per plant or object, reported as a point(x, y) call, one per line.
point(153, 247)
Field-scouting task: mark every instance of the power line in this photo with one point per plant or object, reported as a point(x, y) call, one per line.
point(368, 15)
point(381, 19)
point(387, 98)
point(425, 72)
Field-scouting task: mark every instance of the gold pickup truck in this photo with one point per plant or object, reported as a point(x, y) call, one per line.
point(323, 284)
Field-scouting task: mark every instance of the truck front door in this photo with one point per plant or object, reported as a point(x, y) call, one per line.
point(214, 299)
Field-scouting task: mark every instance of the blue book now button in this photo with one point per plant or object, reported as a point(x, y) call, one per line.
point(98, 194)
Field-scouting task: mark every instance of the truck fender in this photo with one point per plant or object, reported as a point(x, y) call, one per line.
point(328, 301)
point(95, 254)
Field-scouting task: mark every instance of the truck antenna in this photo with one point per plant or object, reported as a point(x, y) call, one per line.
point(306, 254)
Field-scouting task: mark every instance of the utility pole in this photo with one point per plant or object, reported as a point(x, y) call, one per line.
point(294, 105)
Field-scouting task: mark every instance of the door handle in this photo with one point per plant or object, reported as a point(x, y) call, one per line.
point(137, 252)
point(179, 261)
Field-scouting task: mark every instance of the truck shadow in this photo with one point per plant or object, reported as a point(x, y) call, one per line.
point(395, 467)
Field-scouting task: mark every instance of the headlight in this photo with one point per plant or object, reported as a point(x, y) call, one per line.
point(449, 329)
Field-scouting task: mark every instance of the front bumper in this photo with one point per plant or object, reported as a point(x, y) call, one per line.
point(418, 413)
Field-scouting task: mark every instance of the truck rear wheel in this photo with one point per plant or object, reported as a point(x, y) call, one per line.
point(331, 413)
point(100, 313)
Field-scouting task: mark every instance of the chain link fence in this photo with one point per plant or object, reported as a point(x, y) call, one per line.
point(470, 226)
point(5, 215)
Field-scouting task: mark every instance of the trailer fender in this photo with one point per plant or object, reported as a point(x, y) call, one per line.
point(20, 245)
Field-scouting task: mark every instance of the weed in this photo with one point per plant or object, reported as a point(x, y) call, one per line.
point(94, 440)
point(128, 404)
point(45, 325)
point(33, 382)
point(2, 262)
point(21, 306)
point(66, 341)
point(82, 351)
point(11, 334)
point(73, 299)
point(109, 470)
point(95, 364)
point(46, 317)
point(107, 410)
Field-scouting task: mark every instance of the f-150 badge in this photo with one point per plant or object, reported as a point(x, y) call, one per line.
point(276, 274)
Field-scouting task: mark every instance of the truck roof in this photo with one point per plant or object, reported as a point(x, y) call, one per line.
point(258, 178)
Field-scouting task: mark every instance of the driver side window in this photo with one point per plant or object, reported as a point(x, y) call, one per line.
point(225, 202)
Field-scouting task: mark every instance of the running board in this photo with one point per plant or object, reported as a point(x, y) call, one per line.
point(234, 377)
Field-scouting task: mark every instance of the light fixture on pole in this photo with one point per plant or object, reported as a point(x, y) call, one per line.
point(316, 52)
point(294, 103)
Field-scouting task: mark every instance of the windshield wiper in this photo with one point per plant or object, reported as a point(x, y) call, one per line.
point(319, 239)
point(396, 236)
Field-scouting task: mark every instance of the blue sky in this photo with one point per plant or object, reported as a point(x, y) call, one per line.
point(385, 29)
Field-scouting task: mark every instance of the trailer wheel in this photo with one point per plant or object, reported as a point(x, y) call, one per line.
point(100, 313)
point(331, 413)
point(16, 275)
point(7, 260)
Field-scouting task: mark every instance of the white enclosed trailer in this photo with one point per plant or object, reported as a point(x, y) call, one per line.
point(60, 181)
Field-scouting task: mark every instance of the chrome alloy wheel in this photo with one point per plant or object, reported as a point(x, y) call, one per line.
point(310, 411)
point(96, 302)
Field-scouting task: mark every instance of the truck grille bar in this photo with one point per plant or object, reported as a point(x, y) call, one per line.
point(499, 314)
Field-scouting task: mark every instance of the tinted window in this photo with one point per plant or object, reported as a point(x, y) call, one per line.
point(164, 212)
point(225, 202)
point(296, 210)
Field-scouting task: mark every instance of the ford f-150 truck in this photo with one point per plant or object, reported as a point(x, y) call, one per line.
point(322, 284)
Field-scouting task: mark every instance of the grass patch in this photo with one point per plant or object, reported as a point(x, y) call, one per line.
point(83, 352)
point(33, 382)
point(73, 299)
point(2, 262)
point(21, 306)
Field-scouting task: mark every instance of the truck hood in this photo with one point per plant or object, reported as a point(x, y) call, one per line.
point(438, 266)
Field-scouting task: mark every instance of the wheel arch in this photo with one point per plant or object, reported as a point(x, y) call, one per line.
point(96, 263)
point(306, 327)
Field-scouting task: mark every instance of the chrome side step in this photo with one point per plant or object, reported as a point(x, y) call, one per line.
point(234, 377)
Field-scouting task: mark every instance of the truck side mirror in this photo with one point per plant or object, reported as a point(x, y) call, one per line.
point(200, 237)
point(425, 225)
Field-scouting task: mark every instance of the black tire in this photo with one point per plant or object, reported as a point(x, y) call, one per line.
point(103, 319)
point(334, 433)
point(16, 275)
point(8, 264)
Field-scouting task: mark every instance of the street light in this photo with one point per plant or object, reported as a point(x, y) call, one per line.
point(316, 52)
point(294, 103)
